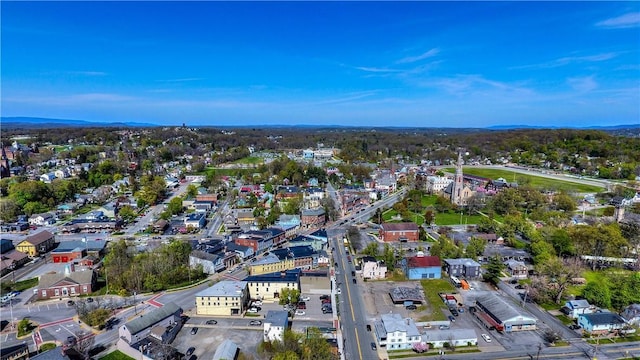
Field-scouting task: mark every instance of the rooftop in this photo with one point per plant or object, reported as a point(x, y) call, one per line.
point(155, 316)
point(225, 288)
point(277, 318)
point(406, 226)
point(284, 276)
point(462, 261)
point(395, 322)
point(423, 261)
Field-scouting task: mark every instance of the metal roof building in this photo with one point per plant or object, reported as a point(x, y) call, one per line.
point(493, 311)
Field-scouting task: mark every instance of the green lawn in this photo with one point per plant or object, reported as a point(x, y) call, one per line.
point(535, 181)
point(442, 219)
point(116, 355)
point(428, 200)
point(250, 160)
point(431, 290)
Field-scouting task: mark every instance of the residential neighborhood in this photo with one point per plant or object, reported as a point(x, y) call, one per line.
point(168, 262)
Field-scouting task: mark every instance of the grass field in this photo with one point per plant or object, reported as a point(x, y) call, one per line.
point(116, 355)
point(431, 289)
point(442, 219)
point(535, 181)
point(250, 160)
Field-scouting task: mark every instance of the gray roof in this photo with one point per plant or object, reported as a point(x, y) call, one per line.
point(395, 322)
point(500, 309)
point(448, 335)
point(277, 318)
point(143, 322)
point(53, 354)
point(463, 261)
point(226, 351)
point(79, 277)
point(269, 259)
point(313, 212)
point(603, 318)
point(224, 288)
point(579, 304)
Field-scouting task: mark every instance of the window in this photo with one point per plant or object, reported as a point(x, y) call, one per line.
point(44, 293)
point(73, 290)
point(57, 292)
point(84, 288)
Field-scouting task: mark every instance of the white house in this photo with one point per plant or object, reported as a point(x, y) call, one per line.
point(373, 269)
point(61, 173)
point(47, 178)
point(437, 184)
point(275, 323)
point(42, 219)
point(396, 333)
point(574, 308)
point(631, 314)
point(459, 337)
point(140, 327)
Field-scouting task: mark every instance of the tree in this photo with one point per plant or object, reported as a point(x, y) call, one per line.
point(8, 210)
point(192, 191)
point(127, 213)
point(444, 248)
point(564, 202)
point(598, 293)
point(175, 205)
point(371, 249)
point(494, 270)
point(475, 248)
point(429, 217)
point(559, 273)
point(289, 296)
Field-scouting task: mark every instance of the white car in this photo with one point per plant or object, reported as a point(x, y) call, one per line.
point(300, 313)
point(486, 337)
point(252, 310)
point(257, 303)
point(339, 291)
point(306, 298)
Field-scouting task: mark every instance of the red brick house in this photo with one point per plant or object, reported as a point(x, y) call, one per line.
point(313, 217)
point(403, 232)
point(67, 284)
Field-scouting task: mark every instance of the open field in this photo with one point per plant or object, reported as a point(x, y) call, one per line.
point(431, 289)
point(116, 355)
point(535, 181)
point(442, 219)
point(250, 160)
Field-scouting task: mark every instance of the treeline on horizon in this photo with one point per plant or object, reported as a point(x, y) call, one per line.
point(589, 150)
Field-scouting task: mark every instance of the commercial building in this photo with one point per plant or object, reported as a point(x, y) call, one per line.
point(37, 244)
point(421, 267)
point(494, 312)
point(399, 232)
point(396, 333)
point(275, 324)
point(141, 327)
point(268, 287)
point(224, 298)
point(464, 267)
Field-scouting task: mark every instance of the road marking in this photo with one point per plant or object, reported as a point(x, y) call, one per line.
point(358, 343)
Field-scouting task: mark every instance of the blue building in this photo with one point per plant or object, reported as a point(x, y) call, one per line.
point(422, 267)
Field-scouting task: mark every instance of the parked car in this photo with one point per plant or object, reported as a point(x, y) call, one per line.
point(300, 313)
point(326, 301)
point(255, 322)
point(89, 300)
point(306, 298)
point(194, 330)
point(575, 327)
point(323, 297)
point(252, 310)
point(451, 318)
point(339, 291)
point(373, 346)
point(354, 281)
point(302, 306)
point(327, 311)
point(486, 338)
point(368, 327)
point(411, 307)
point(443, 327)
point(211, 322)
point(70, 303)
point(257, 303)
point(454, 312)
point(190, 351)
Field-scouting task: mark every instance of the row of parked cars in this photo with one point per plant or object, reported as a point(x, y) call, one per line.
point(326, 304)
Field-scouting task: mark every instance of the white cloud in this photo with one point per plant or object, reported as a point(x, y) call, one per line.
point(377, 70)
point(181, 80)
point(410, 59)
point(621, 22)
point(570, 60)
point(583, 84)
point(87, 73)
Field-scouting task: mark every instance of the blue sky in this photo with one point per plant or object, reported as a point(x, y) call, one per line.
point(428, 64)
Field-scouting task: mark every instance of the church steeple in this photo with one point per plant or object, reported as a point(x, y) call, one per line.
point(5, 170)
point(458, 183)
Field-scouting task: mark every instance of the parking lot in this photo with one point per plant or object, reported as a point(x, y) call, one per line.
point(208, 338)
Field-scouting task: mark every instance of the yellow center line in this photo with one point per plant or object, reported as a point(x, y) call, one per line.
point(353, 314)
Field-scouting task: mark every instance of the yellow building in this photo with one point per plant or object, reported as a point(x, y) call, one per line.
point(268, 287)
point(223, 298)
point(37, 244)
point(270, 264)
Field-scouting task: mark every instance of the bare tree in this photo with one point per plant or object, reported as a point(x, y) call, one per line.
point(83, 343)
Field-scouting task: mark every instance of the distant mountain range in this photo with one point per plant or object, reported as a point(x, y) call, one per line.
point(34, 122)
